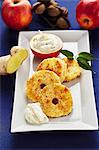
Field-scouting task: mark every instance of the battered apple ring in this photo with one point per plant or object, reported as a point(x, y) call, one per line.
point(56, 100)
point(56, 65)
point(38, 81)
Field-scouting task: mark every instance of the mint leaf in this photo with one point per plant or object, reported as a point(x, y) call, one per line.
point(84, 63)
point(86, 56)
point(67, 53)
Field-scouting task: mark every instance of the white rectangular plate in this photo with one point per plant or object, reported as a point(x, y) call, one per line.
point(83, 116)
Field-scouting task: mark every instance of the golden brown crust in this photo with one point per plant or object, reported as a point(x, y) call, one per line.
point(73, 69)
point(38, 81)
point(54, 64)
point(56, 100)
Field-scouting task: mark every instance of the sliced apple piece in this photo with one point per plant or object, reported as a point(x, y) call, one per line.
point(16, 60)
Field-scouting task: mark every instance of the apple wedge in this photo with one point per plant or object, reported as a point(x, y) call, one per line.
point(16, 60)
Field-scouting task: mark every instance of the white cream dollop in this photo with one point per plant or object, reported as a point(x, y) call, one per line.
point(34, 114)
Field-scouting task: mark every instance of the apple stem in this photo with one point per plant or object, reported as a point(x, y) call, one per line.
point(86, 21)
point(16, 1)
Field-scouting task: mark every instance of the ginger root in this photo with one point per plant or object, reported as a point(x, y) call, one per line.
point(3, 64)
point(10, 63)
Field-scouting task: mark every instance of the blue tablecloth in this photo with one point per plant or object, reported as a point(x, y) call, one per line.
point(43, 140)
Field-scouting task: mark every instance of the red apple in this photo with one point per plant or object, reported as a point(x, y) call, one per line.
point(47, 42)
point(17, 14)
point(87, 13)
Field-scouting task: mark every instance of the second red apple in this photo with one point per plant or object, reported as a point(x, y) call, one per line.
point(87, 13)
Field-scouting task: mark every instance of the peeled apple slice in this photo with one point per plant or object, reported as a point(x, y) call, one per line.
point(16, 60)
